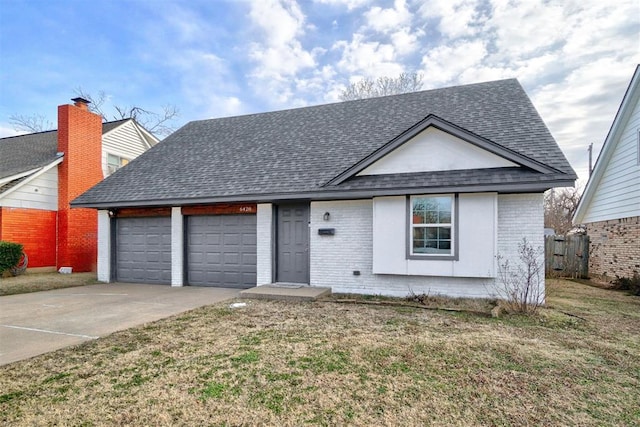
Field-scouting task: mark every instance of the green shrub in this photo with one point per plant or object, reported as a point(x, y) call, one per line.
point(10, 254)
point(631, 284)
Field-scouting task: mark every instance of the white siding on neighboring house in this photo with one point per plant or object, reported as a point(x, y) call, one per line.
point(124, 141)
point(39, 193)
point(618, 192)
point(435, 150)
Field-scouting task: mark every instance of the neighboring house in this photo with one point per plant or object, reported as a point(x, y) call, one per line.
point(610, 204)
point(41, 172)
point(417, 192)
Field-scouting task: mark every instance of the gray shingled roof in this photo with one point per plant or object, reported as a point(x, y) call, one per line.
point(32, 151)
point(293, 153)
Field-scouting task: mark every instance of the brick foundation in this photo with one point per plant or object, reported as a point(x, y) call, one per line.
point(615, 247)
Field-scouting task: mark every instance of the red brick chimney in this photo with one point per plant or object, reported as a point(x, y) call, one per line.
point(80, 139)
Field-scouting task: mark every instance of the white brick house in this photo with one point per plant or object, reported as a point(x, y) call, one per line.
point(418, 193)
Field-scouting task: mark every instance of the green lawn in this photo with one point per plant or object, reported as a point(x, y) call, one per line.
point(279, 363)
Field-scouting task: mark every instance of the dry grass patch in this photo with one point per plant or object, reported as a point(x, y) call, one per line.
point(44, 282)
point(279, 363)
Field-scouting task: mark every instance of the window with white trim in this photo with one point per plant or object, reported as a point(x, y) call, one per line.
point(432, 225)
point(114, 163)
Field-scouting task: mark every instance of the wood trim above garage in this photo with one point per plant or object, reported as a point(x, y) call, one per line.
point(221, 209)
point(141, 212)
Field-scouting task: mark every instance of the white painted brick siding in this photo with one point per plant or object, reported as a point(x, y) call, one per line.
point(334, 258)
point(264, 244)
point(520, 216)
point(104, 246)
point(177, 247)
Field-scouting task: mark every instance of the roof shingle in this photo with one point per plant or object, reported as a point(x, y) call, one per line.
point(300, 150)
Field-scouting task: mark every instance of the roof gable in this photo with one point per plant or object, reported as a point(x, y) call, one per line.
point(436, 145)
point(628, 110)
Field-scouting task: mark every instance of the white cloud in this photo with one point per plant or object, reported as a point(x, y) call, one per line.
point(405, 42)
point(446, 64)
point(223, 106)
point(349, 4)
point(580, 108)
point(369, 59)
point(525, 27)
point(279, 55)
point(457, 18)
point(6, 130)
point(387, 20)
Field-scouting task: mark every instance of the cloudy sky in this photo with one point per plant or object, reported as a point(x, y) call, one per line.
point(212, 58)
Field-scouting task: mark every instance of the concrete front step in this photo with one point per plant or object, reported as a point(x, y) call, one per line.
point(285, 292)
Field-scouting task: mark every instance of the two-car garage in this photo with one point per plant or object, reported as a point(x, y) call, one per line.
point(219, 246)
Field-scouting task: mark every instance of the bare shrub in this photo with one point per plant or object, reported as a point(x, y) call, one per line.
point(520, 286)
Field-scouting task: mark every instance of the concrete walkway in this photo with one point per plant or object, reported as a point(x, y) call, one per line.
point(40, 322)
point(286, 292)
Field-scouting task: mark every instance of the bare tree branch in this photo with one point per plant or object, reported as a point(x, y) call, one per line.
point(159, 124)
point(34, 123)
point(559, 206)
point(382, 86)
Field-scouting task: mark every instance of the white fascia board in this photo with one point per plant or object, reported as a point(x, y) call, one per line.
point(629, 101)
point(18, 176)
point(149, 139)
point(32, 177)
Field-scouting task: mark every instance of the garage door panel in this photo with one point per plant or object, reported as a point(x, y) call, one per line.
point(221, 250)
point(143, 248)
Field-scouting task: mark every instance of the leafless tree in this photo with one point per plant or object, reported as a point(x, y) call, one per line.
point(34, 123)
point(559, 206)
point(160, 124)
point(382, 86)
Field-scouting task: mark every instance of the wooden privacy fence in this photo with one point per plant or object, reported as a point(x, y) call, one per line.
point(567, 256)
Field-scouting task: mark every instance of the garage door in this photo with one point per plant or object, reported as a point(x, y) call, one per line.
point(143, 250)
point(221, 251)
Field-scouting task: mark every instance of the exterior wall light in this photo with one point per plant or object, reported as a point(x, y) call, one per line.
point(326, 216)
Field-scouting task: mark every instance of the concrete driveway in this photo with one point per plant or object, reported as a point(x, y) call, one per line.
point(40, 322)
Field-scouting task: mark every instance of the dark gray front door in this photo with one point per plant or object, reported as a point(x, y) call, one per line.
point(293, 243)
point(221, 251)
point(143, 250)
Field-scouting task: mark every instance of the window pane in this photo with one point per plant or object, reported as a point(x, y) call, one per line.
point(431, 210)
point(431, 233)
point(431, 217)
point(445, 245)
point(444, 233)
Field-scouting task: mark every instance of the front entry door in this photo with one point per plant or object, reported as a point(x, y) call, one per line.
point(293, 243)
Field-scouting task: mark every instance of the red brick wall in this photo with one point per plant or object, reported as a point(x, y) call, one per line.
point(35, 229)
point(80, 138)
point(615, 247)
